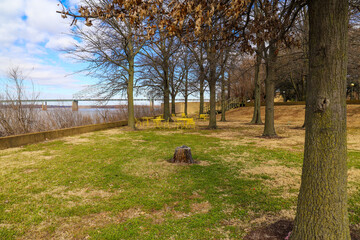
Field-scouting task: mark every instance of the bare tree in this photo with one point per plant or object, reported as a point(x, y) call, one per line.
point(17, 116)
point(159, 62)
point(110, 47)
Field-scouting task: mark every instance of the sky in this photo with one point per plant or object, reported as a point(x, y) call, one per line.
point(32, 35)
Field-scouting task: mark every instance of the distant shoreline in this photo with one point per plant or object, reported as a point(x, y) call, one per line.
point(80, 106)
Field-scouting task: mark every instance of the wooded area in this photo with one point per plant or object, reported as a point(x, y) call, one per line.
point(247, 49)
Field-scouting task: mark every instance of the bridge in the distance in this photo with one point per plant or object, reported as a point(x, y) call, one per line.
point(75, 102)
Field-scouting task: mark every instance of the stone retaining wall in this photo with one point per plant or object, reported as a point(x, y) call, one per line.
point(24, 139)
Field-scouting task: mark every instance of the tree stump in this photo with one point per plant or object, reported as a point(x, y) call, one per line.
point(182, 155)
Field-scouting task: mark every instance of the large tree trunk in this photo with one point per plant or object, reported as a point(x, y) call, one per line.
point(166, 94)
point(257, 104)
point(269, 129)
point(212, 85)
point(130, 94)
point(322, 203)
point(212, 120)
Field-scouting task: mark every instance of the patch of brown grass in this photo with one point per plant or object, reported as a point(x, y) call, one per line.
point(77, 140)
point(17, 160)
point(281, 176)
point(71, 228)
point(142, 167)
point(202, 207)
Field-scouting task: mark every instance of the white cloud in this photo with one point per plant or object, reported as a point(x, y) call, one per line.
point(29, 31)
point(11, 8)
point(41, 73)
point(43, 17)
point(62, 43)
point(33, 21)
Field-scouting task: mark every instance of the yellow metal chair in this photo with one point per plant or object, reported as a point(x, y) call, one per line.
point(138, 123)
point(204, 116)
point(157, 123)
point(190, 123)
point(167, 124)
point(178, 124)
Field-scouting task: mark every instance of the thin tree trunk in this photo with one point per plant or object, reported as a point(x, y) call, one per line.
point(269, 129)
point(130, 94)
point(257, 104)
point(229, 86)
point(223, 107)
point(173, 96)
point(186, 94)
point(322, 203)
point(202, 79)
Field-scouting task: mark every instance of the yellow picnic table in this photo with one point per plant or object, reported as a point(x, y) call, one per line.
point(147, 120)
point(157, 121)
point(184, 121)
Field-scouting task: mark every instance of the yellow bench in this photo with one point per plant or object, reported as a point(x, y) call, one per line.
point(204, 116)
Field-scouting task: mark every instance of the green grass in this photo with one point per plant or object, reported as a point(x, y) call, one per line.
point(120, 186)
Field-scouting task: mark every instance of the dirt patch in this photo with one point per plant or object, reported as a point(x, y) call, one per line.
point(281, 230)
point(275, 231)
point(202, 207)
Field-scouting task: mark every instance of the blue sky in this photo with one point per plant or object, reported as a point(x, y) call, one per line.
point(31, 35)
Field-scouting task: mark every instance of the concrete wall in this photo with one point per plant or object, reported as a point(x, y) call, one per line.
point(193, 107)
point(24, 139)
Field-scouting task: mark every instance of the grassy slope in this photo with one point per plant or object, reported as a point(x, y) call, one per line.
point(118, 185)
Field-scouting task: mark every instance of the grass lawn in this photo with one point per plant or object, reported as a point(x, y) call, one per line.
point(117, 184)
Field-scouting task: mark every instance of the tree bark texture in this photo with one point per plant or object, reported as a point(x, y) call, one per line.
point(130, 94)
point(186, 93)
point(202, 79)
point(166, 93)
point(211, 57)
point(173, 96)
point(229, 85)
point(182, 155)
point(223, 107)
point(269, 129)
point(212, 120)
point(322, 203)
point(257, 104)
